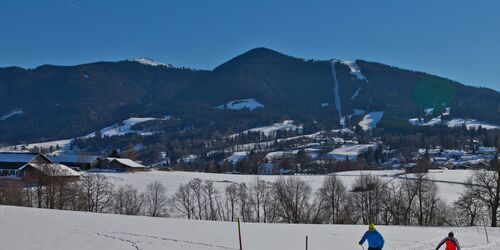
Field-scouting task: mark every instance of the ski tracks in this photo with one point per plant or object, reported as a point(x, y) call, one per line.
point(132, 243)
point(125, 237)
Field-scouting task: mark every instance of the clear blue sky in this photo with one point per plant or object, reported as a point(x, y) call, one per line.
point(451, 38)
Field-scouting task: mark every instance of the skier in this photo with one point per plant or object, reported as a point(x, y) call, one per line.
point(451, 242)
point(375, 239)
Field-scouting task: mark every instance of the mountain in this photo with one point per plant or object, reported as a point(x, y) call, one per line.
point(60, 102)
point(57, 102)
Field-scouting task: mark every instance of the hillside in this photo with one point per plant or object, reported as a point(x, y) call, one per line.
point(55, 229)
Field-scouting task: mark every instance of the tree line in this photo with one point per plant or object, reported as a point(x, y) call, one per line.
point(411, 200)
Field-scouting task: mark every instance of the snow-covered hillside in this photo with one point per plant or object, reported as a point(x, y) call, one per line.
point(241, 104)
point(31, 228)
point(118, 129)
point(355, 69)
point(125, 127)
point(371, 120)
point(269, 130)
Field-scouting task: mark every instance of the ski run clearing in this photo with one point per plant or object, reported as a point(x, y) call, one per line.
point(371, 120)
point(449, 182)
point(241, 104)
point(12, 113)
point(43, 229)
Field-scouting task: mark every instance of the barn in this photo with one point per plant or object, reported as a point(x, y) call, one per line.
point(32, 169)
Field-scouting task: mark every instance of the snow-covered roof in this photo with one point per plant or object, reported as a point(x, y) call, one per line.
point(127, 162)
point(351, 151)
point(72, 158)
point(16, 157)
point(53, 169)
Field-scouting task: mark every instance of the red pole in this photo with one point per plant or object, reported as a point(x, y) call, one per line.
point(239, 233)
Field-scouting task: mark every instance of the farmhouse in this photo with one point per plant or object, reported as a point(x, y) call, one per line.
point(75, 161)
point(32, 169)
point(119, 164)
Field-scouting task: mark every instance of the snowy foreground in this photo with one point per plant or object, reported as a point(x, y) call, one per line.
point(448, 181)
point(30, 228)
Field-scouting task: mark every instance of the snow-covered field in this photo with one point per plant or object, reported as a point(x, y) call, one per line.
point(31, 228)
point(448, 182)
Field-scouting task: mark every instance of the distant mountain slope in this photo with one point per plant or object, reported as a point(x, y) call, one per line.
point(57, 102)
point(67, 101)
point(266, 75)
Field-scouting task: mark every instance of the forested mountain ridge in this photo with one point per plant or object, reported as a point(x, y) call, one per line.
point(55, 102)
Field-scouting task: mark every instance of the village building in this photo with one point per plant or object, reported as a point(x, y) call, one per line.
point(273, 169)
point(75, 161)
point(119, 164)
point(21, 169)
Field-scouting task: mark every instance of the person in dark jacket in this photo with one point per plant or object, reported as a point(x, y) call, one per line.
point(451, 242)
point(375, 239)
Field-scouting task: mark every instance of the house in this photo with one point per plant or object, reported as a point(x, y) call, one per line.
point(32, 169)
point(41, 174)
point(273, 169)
point(268, 169)
point(10, 162)
point(75, 161)
point(350, 152)
point(119, 164)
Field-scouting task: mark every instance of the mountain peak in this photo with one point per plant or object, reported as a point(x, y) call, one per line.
point(262, 51)
point(150, 62)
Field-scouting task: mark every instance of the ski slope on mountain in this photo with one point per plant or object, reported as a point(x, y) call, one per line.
point(371, 120)
point(31, 228)
point(11, 114)
point(241, 104)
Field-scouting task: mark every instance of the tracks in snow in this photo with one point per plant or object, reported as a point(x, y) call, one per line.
point(126, 237)
point(132, 243)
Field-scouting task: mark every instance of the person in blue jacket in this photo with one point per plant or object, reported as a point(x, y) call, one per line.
point(375, 239)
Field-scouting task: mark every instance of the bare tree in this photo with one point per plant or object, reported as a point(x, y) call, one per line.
point(244, 202)
point(485, 185)
point(333, 192)
point(183, 202)
point(469, 208)
point(127, 200)
point(257, 195)
point(196, 187)
point(156, 199)
point(231, 197)
point(97, 192)
point(210, 194)
point(292, 196)
point(367, 198)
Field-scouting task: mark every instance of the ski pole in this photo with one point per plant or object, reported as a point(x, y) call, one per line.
point(362, 247)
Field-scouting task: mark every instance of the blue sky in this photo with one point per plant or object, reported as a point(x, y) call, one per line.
point(455, 39)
